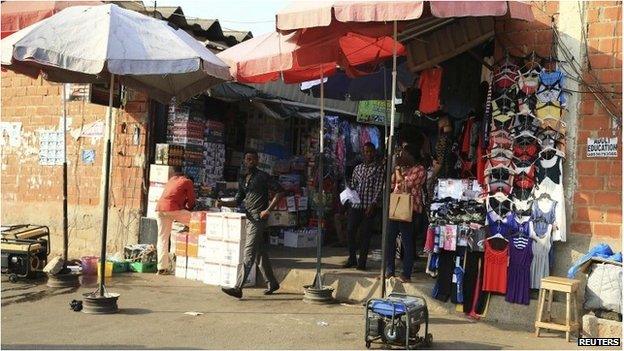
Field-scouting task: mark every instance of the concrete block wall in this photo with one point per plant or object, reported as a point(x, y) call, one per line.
point(32, 193)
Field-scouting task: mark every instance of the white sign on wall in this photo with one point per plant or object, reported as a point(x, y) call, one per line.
point(602, 147)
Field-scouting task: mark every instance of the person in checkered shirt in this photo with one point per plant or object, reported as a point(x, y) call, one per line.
point(367, 181)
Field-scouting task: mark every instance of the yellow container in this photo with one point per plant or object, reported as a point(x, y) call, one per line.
point(108, 269)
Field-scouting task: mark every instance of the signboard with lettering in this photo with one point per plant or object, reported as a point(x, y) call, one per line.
point(375, 112)
point(602, 147)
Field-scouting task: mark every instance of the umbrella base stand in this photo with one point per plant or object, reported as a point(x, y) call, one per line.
point(315, 295)
point(95, 304)
point(63, 280)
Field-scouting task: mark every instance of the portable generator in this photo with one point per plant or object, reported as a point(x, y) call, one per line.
point(24, 250)
point(396, 320)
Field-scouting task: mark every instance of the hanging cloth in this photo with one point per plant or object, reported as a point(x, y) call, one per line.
point(430, 84)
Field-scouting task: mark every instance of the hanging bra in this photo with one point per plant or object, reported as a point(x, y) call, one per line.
point(526, 152)
point(550, 168)
point(548, 110)
point(550, 138)
point(525, 122)
point(499, 179)
point(522, 194)
point(550, 88)
point(505, 76)
point(523, 207)
point(526, 103)
point(503, 110)
point(499, 156)
point(525, 177)
point(528, 81)
point(500, 139)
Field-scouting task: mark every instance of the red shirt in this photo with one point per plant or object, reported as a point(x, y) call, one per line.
point(179, 194)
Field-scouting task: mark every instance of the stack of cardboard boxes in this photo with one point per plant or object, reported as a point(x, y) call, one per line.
point(215, 255)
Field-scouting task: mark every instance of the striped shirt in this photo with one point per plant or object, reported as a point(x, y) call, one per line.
point(367, 181)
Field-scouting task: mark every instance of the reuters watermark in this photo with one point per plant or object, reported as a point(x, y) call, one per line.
point(599, 342)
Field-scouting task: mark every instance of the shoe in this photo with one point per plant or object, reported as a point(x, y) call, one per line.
point(403, 279)
point(234, 292)
point(271, 289)
point(349, 264)
point(389, 275)
point(163, 272)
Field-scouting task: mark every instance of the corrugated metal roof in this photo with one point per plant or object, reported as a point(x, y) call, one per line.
point(239, 35)
point(292, 92)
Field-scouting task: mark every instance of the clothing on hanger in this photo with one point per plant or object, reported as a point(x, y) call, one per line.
point(519, 271)
point(495, 271)
point(430, 83)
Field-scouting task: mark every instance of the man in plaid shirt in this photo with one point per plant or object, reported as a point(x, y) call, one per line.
point(367, 181)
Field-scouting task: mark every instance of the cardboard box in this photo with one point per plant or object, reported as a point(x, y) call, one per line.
point(214, 225)
point(224, 252)
point(192, 245)
point(167, 154)
point(160, 173)
point(300, 238)
point(181, 266)
point(229, 274)
point(155, 191)
point(202, 249)
point(151, 209)
point(197, 224)
point(212, 273)
point(181, 241)
point(282, 219)
point(235, 227)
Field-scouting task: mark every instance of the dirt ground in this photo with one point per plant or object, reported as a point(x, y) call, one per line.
point(152, 316)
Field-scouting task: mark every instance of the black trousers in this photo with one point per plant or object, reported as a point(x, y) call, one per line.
point(356, 220)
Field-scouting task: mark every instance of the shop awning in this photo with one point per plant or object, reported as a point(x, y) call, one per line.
point(21, 14)
point(292, 94)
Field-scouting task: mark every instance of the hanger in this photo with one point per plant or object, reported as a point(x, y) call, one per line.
point(550, 148)
point(544, 196)
point(497, 236)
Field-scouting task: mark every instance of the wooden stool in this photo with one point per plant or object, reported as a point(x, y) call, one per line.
point(564, 285)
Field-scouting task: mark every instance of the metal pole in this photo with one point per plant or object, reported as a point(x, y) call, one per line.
point(390, 146)
point(321, 204)
point(65, 222)
point(105, 184)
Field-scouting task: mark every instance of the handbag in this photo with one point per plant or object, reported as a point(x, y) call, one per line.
point(401, 207)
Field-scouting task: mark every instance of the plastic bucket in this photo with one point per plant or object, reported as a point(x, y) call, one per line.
point(89, 264)
point(108, 269)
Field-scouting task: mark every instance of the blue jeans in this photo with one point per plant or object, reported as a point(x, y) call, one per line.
point(407, 237)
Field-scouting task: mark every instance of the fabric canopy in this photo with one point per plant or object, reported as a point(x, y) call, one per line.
point(306, 55)
point(83, 44)
point(16, 15)
point(304, 14)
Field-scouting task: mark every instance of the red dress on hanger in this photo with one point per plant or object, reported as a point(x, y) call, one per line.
point(429, 84)
point(495, 270)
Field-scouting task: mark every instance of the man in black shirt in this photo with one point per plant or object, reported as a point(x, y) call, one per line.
point(253, 195)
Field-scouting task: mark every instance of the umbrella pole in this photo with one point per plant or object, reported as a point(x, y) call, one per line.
point(101, 301)
point(105, 185)
point(321, 207)
point(64, 279)
point(384, 233)
point(317, 292)
point(65, 222)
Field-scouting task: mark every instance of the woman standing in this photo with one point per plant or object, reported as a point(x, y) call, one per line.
point(409, 177)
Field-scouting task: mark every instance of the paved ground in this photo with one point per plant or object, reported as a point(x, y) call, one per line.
point(152, 316)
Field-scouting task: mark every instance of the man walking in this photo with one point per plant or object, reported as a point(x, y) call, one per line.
point(175, 204)
point(367, 181)
point(253, 195)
